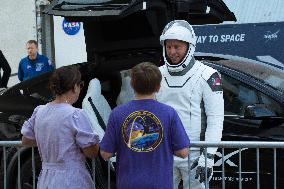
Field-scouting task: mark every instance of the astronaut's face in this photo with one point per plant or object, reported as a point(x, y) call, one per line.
point(175, 50)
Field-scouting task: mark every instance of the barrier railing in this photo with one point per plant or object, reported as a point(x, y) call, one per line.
point(244, 145)
point(240, 145)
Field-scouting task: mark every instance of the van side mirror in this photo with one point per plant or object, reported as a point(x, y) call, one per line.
point(258, 111)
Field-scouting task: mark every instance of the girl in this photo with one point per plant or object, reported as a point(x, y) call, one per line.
point(63, 135)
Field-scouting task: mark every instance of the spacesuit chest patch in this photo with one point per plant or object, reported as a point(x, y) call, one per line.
point(215, 82)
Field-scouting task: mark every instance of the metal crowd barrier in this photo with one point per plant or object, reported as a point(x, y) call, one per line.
point(240, 145)
point(18, 144)
point(221, 145)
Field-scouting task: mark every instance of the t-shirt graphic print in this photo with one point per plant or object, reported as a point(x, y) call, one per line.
point(142, 131)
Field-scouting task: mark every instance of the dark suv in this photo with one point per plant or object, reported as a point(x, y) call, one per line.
point(122, 33)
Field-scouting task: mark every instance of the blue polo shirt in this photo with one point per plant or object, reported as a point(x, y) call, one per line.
point(30, 68)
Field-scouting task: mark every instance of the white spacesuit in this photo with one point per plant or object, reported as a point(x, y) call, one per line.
point(195, 91)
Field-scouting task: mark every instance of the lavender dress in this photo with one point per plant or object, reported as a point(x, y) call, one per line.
point(61, 131)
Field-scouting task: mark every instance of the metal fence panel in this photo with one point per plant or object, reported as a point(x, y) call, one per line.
point(240, 145)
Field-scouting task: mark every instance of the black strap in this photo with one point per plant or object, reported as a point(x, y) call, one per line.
point(99, 117)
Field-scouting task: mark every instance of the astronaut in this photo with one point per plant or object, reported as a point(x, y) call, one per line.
point(195, 91)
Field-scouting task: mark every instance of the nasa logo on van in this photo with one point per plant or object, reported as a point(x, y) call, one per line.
point(71, 28)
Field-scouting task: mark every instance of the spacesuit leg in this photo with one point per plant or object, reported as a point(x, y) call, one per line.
point(184, 174)
point(194, 183)
point(177, 174)
point(183, 168)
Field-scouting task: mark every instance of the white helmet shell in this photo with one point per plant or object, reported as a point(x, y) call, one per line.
point(183, 31)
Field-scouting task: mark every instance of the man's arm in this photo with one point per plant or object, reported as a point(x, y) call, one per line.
point(106, 155)
point(28, 142)
point(214, 109)
point(212, 95)
point(109, 143)
point(4, 63)
point(91, 151)
point(49, 64)
point(183, 153)
point(6, 70)
point(180, 140)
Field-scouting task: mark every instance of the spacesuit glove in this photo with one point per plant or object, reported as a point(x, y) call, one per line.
point(201, 168)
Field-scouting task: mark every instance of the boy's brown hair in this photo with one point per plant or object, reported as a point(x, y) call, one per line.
point(145, 78)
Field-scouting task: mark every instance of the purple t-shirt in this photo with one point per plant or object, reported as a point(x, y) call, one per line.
point(144, 134)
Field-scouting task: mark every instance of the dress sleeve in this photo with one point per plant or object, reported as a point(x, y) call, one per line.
point(28, 126)
point(179, 137)
point(84, 136)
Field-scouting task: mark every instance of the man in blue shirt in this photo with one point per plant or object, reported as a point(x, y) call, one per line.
point(34, 64)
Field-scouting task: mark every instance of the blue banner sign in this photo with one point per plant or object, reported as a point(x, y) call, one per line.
point(257, 41)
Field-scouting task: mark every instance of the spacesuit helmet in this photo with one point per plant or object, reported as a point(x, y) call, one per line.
point(183, 31)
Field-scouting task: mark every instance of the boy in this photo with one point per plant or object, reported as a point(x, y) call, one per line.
point(144, 134)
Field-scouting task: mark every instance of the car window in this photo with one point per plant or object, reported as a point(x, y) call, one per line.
point(263, 72)
point(246, 95)
point(237, 96)
point(272, 105)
